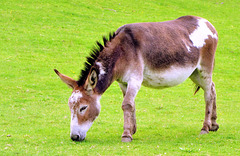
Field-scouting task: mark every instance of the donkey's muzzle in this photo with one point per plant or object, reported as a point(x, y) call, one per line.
point(77, 138)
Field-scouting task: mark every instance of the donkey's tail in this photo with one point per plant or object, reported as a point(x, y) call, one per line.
point(196, 89)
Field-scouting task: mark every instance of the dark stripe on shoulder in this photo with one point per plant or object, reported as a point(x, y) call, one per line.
point(133, 38)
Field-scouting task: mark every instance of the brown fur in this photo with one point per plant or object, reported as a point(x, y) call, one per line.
point(158, 49)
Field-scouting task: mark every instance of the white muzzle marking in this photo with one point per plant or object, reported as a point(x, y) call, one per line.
point(79, 130)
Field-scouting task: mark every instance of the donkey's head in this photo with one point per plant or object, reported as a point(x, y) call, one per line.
point(83, 103)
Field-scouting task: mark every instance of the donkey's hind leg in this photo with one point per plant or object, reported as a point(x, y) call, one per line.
point(215, 126)
point(210, 112)
point(204, 80)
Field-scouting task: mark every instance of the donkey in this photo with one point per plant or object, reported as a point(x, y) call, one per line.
point(157, 55)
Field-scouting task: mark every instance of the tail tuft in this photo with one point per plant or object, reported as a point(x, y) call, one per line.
point(197, 89)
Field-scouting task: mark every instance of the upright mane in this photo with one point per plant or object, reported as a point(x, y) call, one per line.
point(93, 55)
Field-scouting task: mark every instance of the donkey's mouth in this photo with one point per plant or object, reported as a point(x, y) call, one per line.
point(77, 138)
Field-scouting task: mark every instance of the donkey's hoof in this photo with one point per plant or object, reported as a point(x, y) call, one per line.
point(214, 127)
point(203, 132)
point(126, 139)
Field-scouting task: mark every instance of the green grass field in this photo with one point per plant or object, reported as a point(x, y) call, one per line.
point(38, 36)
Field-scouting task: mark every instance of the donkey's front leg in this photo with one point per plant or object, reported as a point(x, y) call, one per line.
point(124, 90)
point(128, 107)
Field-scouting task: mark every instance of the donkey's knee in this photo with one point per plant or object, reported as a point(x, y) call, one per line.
point(128, 107)
point(129, 116)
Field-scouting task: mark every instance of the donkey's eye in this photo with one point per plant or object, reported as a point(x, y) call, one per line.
point(83, 108)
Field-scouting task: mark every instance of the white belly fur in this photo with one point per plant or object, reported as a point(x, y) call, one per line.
point(167, 78)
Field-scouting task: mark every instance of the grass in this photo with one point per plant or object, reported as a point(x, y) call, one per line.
point(38, 36)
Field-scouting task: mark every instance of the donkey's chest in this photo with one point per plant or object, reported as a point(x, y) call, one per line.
point(172, 76)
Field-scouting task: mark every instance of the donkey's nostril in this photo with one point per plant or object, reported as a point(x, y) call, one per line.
point(75, 137)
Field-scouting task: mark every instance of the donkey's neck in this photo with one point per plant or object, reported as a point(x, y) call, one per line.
point(105, 64)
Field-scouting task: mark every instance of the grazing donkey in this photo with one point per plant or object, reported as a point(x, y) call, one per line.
point(157, 55)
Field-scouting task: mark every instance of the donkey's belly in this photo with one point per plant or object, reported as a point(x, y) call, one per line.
point(166, 78)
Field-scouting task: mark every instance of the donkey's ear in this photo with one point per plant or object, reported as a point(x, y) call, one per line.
point(92, 80)
point(69, 81)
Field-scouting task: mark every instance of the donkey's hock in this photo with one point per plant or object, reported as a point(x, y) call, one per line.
point(157, 55)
